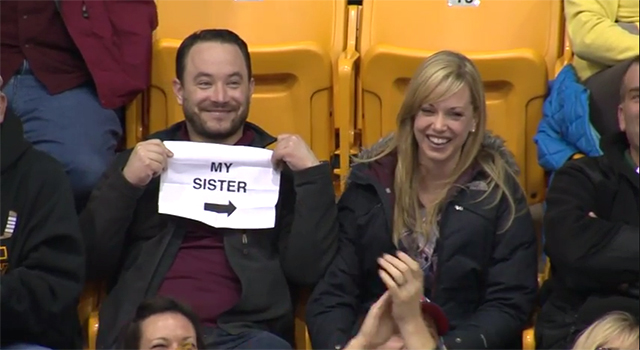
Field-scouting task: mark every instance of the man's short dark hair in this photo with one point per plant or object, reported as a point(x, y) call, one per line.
point(131, 335)
point(623, 86)
point(222, 36)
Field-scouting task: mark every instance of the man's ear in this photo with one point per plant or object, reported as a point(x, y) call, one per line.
point(178, 90)
point(3, 106)
point(252, 85)
point(621, 122)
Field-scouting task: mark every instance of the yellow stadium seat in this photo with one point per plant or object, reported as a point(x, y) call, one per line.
point(87, 311)
point(567, 55)
point(528, 339)
point(93, 330)
point(577, 156)
point(301, 337)
point(546, 273)
point(347, 91)
point(515, 45)
point(294, 45)
point(134, 129)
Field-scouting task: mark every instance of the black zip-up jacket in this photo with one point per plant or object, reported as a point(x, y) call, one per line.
point(592, 258)
point(486, 276)
point(41, 249)
point(133, 246)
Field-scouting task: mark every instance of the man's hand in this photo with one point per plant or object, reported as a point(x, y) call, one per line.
point(148, 160)
point(292, 150)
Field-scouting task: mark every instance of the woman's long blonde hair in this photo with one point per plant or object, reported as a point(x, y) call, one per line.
point(440, 76)
point(619, 328)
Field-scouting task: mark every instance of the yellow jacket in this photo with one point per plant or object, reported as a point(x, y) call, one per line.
point(596, 38)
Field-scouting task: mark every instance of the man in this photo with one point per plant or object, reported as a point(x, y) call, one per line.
point(41, 250)
point(591, 227)
point(71, 66)
point(235, 279)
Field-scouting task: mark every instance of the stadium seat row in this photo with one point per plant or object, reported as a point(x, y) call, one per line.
point(335, 74)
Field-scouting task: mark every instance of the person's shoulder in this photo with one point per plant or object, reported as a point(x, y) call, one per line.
point(40, 165)
point(591, 167)
point(586, 162)
point(43, 170)
point(44, 178)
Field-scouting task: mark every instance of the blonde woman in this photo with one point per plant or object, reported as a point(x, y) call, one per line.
point(616, 330)
point(433, 210)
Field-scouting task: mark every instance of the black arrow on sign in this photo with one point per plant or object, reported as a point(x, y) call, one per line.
point(220, 208)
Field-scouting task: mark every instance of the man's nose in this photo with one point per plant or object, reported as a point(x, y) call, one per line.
point(219, 93)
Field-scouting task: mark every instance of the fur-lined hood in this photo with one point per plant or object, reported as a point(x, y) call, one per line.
point(490, 142)
point(383, 169)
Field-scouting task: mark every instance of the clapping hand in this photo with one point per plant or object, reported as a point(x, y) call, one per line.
point(378, 326)
point(405, 281)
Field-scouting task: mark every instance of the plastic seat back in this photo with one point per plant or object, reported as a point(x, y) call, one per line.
point(514, 44)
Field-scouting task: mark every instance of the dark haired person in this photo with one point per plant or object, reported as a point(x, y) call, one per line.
point(592, 231)
point(41, 249)
point(238, 281)
point(162, 322)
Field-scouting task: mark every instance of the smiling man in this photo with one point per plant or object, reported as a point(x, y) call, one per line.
point(236, 280)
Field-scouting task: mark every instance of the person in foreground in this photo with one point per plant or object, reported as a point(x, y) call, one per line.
point(402, 324)
point(162, 322)
point(591, 226)
point(238, 281)
point(41, 249)
point(443, 191)
point(616, 330)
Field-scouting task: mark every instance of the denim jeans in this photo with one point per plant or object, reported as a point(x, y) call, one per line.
point(25, 346)
point(218, 339)
point(71, 126)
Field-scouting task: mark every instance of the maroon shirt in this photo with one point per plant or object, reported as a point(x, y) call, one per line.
point(201, 275)
point(34, 30)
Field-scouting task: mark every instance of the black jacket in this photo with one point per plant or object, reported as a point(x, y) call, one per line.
point(485, 280)
point(591, 257)
point(134, 246)
point(43, 259)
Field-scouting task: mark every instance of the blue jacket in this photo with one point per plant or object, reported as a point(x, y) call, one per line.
point(565, 128)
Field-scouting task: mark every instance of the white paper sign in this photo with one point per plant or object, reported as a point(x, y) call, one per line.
point(221, 186)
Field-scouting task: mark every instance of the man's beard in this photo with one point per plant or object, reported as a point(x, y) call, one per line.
point(200, 129)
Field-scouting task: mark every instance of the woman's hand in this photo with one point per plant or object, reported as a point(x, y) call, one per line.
point(377, 328)
point(419, 334)
point(405, 283)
